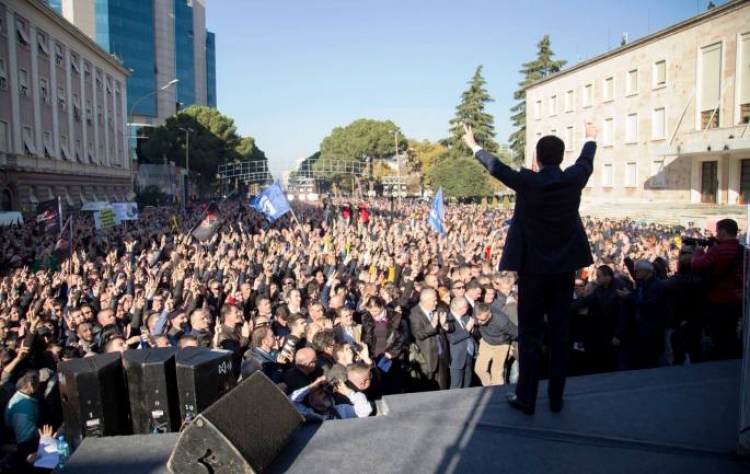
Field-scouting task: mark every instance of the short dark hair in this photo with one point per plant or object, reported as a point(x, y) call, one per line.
point(550, 151)
point(606, 270)
point(729, 226)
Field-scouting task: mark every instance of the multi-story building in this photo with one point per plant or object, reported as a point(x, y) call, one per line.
point(672, 109)
point(62, 112)
point(158, 41)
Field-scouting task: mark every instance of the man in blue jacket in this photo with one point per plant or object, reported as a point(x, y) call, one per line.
point(546, 244)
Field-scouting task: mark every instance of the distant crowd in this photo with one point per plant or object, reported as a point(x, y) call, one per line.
point(346, 303)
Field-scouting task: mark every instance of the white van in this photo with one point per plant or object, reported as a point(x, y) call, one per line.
point(11, 217)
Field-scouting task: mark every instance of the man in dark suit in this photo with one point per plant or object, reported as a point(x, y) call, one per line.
point(428, 327)
point(546, 244)
point(463, 347)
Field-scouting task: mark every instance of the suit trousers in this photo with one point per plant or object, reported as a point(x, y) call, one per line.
point(461, 378)
point(541, 295)
point(490, 365)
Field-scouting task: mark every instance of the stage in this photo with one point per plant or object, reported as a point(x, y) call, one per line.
point(677, 420)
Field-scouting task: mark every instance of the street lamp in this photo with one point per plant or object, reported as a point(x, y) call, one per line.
point(132, 110)
point(187, 131)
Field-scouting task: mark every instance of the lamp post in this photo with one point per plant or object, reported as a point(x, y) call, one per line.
point(398, 163)
point(187, 131)
point(138, 101)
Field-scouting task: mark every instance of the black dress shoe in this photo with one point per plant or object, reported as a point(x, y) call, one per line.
point(518, 404)
point(556, 407)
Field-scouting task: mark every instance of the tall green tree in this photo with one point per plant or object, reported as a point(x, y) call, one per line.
point(460, 175)
point(532, 71)
point(213, 140)
point(360, 141)
point(471, 111)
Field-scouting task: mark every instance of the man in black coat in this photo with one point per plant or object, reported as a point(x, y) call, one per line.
point(546, 244)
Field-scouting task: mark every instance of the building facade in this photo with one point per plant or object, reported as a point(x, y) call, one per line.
point(62, 112)
point(158, 41)
point(672, 110)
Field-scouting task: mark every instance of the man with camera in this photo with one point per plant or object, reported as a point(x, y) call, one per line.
point(721, 266)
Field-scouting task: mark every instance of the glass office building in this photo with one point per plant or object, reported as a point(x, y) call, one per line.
point(158, 41)
point(211, 68)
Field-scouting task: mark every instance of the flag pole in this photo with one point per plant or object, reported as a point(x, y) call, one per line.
point(60, 221)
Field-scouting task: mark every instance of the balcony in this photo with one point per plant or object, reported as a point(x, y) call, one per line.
point(715, 140)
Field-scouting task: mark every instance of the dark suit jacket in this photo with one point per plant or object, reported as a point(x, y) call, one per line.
point(426, 337)
point(546, 234)
point(460, 340)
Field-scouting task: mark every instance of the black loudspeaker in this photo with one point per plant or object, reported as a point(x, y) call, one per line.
point(94, 397)
point(203, 376)
point(152, 387)
point(241, 433)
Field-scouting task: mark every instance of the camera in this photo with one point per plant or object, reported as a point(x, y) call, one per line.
point(692, 241)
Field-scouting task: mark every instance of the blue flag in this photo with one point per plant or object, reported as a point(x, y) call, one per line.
point(437, 213)
point(272, 202)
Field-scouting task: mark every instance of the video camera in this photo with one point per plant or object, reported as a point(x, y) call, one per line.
point(695, 242)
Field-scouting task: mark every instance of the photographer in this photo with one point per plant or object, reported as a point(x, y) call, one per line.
point(330, 398)
point(721, 267)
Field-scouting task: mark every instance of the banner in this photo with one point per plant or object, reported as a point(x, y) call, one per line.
point(209, 225)
point(125, 211)
point(104, 219)
point(64, 245)
point(48, 216)
point(437, 213)
point(272, 202)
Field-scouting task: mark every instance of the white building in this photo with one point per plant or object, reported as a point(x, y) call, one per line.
point(672, 109)
point(62, 112)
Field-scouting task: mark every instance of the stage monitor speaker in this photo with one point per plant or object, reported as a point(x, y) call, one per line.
point(241, 433)
point(203, 376)
point(152, 388)
point(94, 397)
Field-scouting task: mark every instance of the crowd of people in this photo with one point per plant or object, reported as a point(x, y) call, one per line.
point(340, 308)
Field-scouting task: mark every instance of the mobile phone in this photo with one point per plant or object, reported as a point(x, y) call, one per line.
point(144, 330)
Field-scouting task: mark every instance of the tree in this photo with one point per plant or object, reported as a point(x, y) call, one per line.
point(460, 176)
point(213, 141)
point(471, 112)
point(532, 71)
point(360, 141)
point(424, 155)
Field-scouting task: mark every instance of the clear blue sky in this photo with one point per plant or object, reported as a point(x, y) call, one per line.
point(289, 71)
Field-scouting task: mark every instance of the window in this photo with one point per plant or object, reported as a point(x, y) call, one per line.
point(607, 175)
point(631, 128)
point(710, 85)
point(658, 124)
point(64, 147)
point(86, 71)
point(28, 141)
point(588, 94)
point(99, 83)
point(569, 101)
point(78, 151)
point(109, 86)
point(4, 142)
point(44, 91)
point(89, 113)
point(23, 80)
point(538, 109)
point(609, 88)
point(657, 174)
point(21, 34)
point(59, 58)
point(608, 132)
point(568, 138)
point(631, 83)
point(630, 174)
point(3, 75)
point(99, 115)
point(48, 144)
point(553, 105)
point(76, 107)
point(744, 80)
point(74, 66)
point(90, 153)
point(41, 43)
point(660, 73)
point(61, 98)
